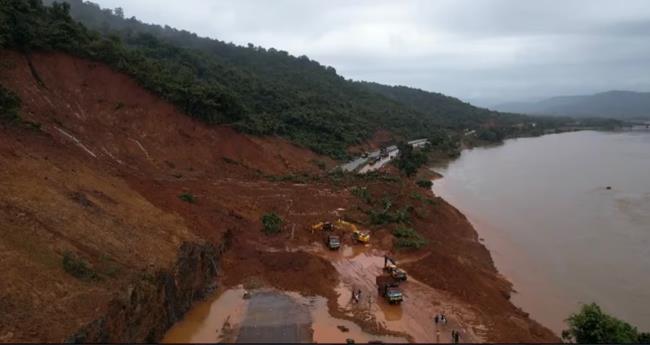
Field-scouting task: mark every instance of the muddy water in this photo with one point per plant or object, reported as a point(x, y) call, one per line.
point(267, 316)
point(210, 321)
point(553, 227)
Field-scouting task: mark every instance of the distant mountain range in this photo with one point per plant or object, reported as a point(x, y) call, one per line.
point(611, 104)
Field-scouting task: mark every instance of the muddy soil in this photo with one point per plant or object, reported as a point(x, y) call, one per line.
point(102, 176)
point(268, 316)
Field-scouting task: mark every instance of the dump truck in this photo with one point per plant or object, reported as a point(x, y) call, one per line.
point(333, 242)
point(390, 267)
point(389, 289)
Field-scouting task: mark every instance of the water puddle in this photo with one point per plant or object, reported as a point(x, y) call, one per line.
point(210, 321)
point(267, 316)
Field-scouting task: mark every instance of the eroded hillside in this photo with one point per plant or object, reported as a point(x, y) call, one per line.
point(98, 178)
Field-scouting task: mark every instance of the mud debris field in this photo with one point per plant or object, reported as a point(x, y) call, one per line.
point(121, 180)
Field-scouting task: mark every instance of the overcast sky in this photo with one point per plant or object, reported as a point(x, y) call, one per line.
point(483, 51)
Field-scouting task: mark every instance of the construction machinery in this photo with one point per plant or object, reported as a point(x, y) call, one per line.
point(390, 267)
point(333, 242)
point(361, 236)
point(357, 235)
point(324, 226)
point(342, 225)
point(389, 289)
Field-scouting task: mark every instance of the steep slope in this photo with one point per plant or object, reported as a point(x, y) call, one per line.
point(611, 104)
point(74, 189)
point(446, 110)
point(268, 91)
point(99, 171)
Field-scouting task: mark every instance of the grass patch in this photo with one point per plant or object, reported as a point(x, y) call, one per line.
point(408, 238)
point(426, 184)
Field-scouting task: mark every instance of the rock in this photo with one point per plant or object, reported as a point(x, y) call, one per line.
point(343, 328)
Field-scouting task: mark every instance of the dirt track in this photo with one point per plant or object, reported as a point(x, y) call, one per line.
point(105, 171)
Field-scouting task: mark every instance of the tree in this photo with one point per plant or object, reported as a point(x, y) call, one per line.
point(410, 160)
point(592, 325)
point(119, 12)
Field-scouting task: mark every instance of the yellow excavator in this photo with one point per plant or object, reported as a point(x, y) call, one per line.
point(324, 226)
point(357, 235)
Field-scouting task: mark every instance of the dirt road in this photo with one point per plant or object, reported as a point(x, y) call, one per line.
point(359, 266)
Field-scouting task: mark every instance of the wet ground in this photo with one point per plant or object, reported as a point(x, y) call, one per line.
point(359, 266)
point(268, 315)
point(277, 318)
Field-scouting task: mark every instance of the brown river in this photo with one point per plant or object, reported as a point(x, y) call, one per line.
point(554, 228)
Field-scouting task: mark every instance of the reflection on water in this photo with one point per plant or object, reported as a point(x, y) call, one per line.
point(210, 321)
point(553, 226)
point(228, 317)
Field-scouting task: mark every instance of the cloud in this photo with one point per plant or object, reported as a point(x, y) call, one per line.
point(487, 51)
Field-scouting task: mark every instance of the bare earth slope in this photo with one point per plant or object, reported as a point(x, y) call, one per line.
point(101, 179)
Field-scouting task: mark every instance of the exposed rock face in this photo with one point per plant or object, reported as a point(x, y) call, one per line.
point(151, 305)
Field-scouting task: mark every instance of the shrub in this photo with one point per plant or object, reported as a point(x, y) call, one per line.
point(77, 267)
point(272, 223)
point(592, 325)
point(426, 184)
point(188, 197)
point(408, 238)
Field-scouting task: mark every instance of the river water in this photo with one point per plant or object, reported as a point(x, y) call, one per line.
point(543, 208)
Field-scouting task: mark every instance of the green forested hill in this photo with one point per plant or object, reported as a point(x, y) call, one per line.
point(257, 90)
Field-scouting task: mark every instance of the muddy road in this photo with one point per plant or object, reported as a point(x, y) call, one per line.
point(359, 266)
point(271, 315)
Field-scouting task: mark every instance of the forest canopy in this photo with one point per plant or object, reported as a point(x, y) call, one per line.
point(256, 90)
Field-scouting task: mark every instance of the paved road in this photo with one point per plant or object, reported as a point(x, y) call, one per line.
point(274, 317)
point(361, 165)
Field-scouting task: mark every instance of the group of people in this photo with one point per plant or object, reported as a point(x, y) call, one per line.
point(441, 319)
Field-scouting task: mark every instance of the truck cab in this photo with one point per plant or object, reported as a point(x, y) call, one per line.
point(389, 289)
point(333, 242)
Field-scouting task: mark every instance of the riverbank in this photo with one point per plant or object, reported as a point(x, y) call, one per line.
point(572, 223)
